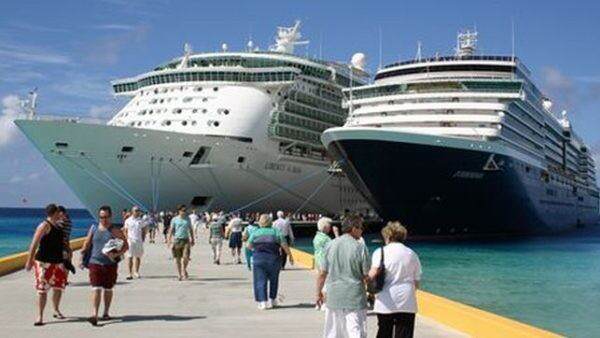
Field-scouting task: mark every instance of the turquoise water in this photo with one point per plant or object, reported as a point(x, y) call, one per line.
point(549, 282)
point(17, 226)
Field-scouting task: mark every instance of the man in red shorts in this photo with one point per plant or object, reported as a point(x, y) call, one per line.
point(46, 258)
point(102, 247)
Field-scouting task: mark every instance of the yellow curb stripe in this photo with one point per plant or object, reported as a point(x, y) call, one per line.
point(16, 262)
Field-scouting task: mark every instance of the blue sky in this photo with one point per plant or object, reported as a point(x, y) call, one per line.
point(70, 50)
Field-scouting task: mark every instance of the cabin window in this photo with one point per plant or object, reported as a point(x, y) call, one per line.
point(61, 144)
point(127, 149)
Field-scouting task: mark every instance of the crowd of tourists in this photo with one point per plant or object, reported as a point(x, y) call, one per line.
point(346, 273)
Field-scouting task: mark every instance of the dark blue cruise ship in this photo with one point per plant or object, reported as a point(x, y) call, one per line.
point(465, 145)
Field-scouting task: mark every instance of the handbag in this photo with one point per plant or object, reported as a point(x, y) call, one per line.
point(376, 284)
point(88, 253)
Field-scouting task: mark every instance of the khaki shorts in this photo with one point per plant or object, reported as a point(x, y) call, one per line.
point(181, 248)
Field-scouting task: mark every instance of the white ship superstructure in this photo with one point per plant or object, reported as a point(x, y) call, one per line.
point(471, 144)
point(221, 130)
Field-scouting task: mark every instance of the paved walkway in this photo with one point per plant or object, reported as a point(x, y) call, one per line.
point(216, 302)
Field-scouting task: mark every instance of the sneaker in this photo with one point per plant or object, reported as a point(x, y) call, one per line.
point(272, 303)
point(262, 305)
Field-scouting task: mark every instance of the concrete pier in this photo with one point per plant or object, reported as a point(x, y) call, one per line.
point(217, 301)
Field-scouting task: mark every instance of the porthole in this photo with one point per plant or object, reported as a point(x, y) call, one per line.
point(187, 99)
point(216, 123)
point(204, 111)
point(216, 89)
point(162, 100)
point(184, 123)
point(155, 91)
point(167, 123)
point(194, 123)
point(194, 111)
point(204, 99)
point(177, 111)
point(226, 111)
point(198, 89)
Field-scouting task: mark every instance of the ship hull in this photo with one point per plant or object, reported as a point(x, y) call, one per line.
point(155, 172)
point(440, 186)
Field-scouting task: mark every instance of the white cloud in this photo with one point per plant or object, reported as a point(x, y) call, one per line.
point(115, 26)
point(84, 86)
point(30, 54)
point(560, 88)
point(106, 51)
point(11, 109)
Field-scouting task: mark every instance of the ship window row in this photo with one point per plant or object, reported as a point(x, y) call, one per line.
point(205, 76)
point(523, 141)
point(446, 68)
point(297, 121)
point(321, 90)
point(318, 102)
point(289, 132)
point(435, 87)
point(300, 109)
point(251, 62)
point(524, 128)
point(176, 111)
point(517, 110)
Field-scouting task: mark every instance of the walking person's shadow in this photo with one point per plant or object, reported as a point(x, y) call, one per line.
point(130, 318)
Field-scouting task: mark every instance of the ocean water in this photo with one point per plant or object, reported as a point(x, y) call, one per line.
point(549, 282)
point(17, 226)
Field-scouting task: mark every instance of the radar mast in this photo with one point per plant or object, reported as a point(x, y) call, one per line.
point(287, 38)
point(466, 43)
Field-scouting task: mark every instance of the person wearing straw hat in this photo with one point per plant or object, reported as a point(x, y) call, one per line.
point(267, 243)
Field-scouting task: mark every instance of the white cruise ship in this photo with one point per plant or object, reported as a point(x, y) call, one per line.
point(224, 130)
point(465, 145)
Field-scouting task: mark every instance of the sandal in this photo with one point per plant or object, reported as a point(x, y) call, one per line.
point(93, 321)
point(106, 317)
point(38, 324)
point(58, 315)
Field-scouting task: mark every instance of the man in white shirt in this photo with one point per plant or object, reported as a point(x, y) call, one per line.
point(135, 230)
point(195, 220)
point(285, 227)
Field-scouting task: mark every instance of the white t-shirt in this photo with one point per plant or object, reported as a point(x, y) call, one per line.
point(135, 228)
point(402, 269)
point(284, 227)
point(235, 225)
point(194, 219)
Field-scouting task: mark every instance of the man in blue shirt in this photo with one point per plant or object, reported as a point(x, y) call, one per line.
point(181, 229)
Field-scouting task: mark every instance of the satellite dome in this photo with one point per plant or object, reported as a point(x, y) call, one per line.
point(224, 47)
point(359, 60)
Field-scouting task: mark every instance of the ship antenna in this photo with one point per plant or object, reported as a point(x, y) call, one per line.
point(380, 48)
point(513, 38)
point(418, 56)
point(32, 102)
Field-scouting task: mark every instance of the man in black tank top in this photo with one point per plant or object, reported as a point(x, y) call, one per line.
point(46, 258)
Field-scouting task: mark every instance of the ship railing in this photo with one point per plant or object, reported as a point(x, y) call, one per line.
point(71, 119)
